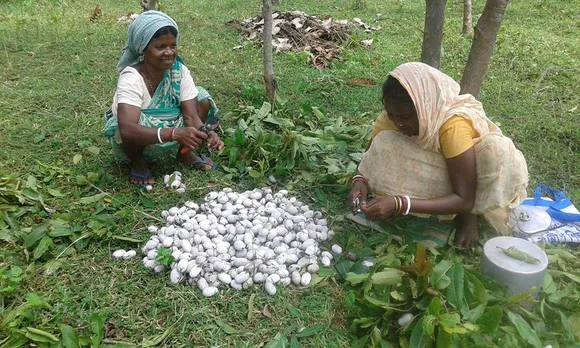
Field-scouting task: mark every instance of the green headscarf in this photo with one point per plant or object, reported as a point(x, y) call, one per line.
point(140, 33)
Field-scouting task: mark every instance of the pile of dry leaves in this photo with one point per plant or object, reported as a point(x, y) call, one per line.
point(321, 39)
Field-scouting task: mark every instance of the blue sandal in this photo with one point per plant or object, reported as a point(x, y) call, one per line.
point(558, 205)
point(203, 160)
point(145, 176)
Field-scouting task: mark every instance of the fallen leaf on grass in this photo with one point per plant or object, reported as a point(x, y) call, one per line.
point(266, 312)
point(40, 137)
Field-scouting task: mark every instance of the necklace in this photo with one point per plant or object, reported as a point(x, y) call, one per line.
point(149, 85)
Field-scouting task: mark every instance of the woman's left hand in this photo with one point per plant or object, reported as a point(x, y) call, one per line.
point(214, 142)
point(380, 208)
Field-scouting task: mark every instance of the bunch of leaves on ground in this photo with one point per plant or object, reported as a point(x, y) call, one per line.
point(407, 299)
point(274, 139)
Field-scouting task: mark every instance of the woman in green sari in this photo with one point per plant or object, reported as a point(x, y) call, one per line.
point(156, 103)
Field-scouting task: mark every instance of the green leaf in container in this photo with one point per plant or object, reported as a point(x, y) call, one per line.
point(310, 331)
point(44, 244)
point(439, 278)
point(388, 276)
point(524, 329)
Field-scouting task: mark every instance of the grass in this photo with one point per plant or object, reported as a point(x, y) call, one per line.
point(58, 74)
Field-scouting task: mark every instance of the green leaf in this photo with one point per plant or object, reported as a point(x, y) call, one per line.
point(310, 331)
point(69, 338)
point(128, 239)
point(44, 244)
point(157, 339)
point(449, 320)
point(54, 192)
point(77, 158)
point(435, 306)
point(81, 180)
point(490, 320)
point(444, 339)
point(40, 137)
point(53, 266)
point(93, 149)
point(251, 307)
point(293, 310)
point(418, 338)
point(548, 285)
point(343, 266)
point(38, 335)
point(98, 328)
point(524, 329)
point(354, 278)
point(429, 322)
point(455, 295)
point(378, 303)
point(388, 276)
point(557, 273)
point(255, 174)
point(147, 203)
point(225, 327)
point(479, 291)
point(439, 278)
point(34, 236)
point(294, 342)
point(92, 199)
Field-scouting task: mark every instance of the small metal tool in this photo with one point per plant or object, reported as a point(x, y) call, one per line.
point(356, 206)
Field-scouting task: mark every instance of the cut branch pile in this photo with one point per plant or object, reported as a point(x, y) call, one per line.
point(322, 39)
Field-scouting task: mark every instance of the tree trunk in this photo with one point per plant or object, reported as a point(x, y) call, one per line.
point(433, 32)
point(485, 35)
point(147, 5)
point(269, 79)
point(467, 25)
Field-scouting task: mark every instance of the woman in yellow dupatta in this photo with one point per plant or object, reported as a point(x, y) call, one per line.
point(435, 152)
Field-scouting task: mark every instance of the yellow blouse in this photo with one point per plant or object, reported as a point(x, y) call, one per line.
point(455, 135)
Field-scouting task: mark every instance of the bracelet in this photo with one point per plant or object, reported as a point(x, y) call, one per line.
point(408, 199)
point(159, 135)
point(397, 204)
point(172, 133)
point(402, 206)
point(358, 177)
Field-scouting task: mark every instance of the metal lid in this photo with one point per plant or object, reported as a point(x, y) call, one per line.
point(501, 260)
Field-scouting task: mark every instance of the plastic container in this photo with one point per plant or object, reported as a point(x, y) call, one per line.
point(519, 276)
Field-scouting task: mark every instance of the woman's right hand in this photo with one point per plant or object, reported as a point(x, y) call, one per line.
point(189, 137)
point(358, 190)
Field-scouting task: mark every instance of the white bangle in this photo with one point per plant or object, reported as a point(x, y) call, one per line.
point(408, 205)
point(159, 135)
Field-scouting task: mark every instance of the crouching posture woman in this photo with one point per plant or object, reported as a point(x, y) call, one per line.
point(157, 103)
point(434, 152)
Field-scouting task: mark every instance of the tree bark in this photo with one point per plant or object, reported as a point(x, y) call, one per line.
point(269, 79)
point(433, 32)
point(482, 46)
point(467, 24)
point(147, 5)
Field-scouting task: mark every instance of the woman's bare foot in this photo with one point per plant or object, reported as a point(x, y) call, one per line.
point(467, 233)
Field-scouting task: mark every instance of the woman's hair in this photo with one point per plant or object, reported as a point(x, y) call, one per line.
point(393, 89)
point(165, 30)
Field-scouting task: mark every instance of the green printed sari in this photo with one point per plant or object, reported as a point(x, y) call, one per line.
point(164, 111)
